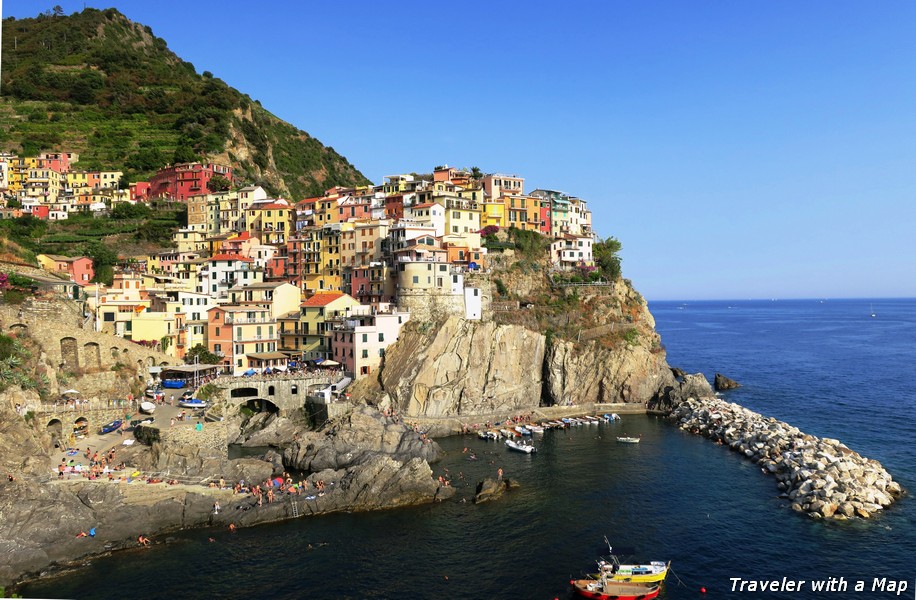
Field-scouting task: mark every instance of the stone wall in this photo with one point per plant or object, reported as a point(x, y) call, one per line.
point(83, 355)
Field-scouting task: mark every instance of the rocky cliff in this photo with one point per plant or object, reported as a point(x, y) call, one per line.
point(459, 368)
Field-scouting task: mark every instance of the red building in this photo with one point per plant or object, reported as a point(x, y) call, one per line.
point(41, 211)
point(139, 191)
point(179, 182)
point(394, 207)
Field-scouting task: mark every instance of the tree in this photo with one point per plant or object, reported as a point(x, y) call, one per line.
point(219, 183)
point(606, 259)
point(476, 173)
point(13, 203)
point(202, 355)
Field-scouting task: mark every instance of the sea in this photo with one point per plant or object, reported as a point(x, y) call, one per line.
point(834, 368)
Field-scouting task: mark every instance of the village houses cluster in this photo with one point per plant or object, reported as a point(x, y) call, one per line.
point(268, 283)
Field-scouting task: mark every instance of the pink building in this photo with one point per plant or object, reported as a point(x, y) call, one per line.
point(78, 268)
point(139, 191)
point(179, 182)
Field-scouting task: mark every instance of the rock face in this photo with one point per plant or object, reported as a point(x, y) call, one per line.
point(492, 489)
point(722, 383)
point(820, 476)
point(465, 368)
point(472, 368)
point(362, 435)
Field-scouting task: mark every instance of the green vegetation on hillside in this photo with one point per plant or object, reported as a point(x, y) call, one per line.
point(100, 85)
point(95, 237)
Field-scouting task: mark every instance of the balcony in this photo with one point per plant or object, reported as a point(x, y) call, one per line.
point(230, 320)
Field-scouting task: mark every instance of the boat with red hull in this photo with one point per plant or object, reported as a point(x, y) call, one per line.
point(605, 589)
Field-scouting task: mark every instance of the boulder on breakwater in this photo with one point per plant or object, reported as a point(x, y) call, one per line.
point(819, 476)
point(722, 383)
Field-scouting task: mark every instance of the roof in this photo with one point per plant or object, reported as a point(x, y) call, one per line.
point(424, 205)
point(268, 356)
point(269, 206)
point(323, 299)
point(217, 257)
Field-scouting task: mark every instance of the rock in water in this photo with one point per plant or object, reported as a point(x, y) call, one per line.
point(491, 489)
point(724, 383)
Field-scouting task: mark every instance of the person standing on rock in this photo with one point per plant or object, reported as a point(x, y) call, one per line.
point(499, 474)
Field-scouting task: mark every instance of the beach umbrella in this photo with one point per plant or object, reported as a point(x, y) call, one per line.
point(68, 392)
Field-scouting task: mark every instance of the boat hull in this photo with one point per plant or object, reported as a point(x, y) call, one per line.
point(589, 588)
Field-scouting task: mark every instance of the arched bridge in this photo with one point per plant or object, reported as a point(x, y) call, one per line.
point(275, 394)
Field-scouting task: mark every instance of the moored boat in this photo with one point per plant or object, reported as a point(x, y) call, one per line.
point(148, 407)
point(653, 572)
point(535, 428)
point(626, 439)
point(521, 446)
point(606, 589)
point(522, 430)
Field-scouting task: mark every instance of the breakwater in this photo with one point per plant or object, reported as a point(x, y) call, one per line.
point(820, 476)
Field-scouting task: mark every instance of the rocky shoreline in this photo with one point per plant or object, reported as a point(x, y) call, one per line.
point(819, 476)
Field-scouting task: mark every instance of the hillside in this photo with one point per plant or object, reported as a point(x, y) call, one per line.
point(100, 85)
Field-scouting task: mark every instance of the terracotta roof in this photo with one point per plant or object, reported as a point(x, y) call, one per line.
point(323, 299)
point(216, 257)
point(424, 205)
point(240, 237)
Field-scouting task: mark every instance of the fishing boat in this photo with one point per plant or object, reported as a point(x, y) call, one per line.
point(522, 430)
point(607, 589)
point(113, 426)
point(193, 403)
point(611, 417)
point(521, 446)
point(653, 572)
point(535, 428)
point(628, 439)
point(148, 407)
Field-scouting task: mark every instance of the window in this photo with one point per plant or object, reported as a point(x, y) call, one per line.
point(216, 332)
point(381, 337)
point(217, 347)
point(365, 354)
point(415, 280)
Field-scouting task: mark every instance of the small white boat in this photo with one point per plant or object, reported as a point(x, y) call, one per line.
point(522, 430)
point(507, 434)
point(628, 439)
point(535, 428)
point(148, 407)
point(525, 447)
point(611, 417)
point(592, 420)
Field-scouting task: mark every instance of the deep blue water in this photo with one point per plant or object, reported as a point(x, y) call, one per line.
point(827, 367)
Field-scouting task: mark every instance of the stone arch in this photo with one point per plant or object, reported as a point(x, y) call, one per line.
point(150, 361)
point(81, 426)
point(56, 429)
point(164, 364)
point(92, 357)
point(125, 351)
point(114, 352)
point(271, 391)
point(262, 405)
point(294, 389)
point(140, 365)
point(19, 329)
point(69, 353)
point(243, 392)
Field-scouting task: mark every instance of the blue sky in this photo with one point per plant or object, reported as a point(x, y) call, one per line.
point(737, 150)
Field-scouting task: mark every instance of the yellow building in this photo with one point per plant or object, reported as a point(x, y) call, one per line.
point(462, 220)
point(163, 328)
point(493, 212)
point(188, 240)
point(523, 212)
point(305, 334)
point(271, 222)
